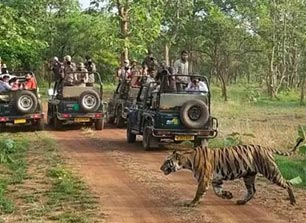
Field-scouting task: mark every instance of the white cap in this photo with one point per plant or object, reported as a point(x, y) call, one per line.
point(67, 58)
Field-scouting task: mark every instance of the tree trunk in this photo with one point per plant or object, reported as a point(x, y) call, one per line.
point(167, 54)
point(302, 91)
point(123, 9)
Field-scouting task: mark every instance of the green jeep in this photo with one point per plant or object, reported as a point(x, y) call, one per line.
point(21, 107)
point(165, 111)
point(119, 104)
point(77, 104)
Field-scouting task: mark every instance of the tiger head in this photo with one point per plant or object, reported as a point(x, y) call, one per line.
point(175, 162)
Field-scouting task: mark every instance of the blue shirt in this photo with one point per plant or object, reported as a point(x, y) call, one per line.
point(4, 86)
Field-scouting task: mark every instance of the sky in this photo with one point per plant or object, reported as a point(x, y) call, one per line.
point(84, 3)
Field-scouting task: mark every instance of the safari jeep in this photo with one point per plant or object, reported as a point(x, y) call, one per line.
point(164, 114)
point(21, 107)
point(76, 105)
point(119, 104)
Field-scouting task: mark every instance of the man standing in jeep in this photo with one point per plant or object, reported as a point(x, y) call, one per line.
point(149, 62)
point(181, 68)
point(69, 69)
point(91, 68)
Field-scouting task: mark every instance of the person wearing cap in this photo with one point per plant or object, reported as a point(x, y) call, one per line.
point(149, 62)
point(4, 84)
point(4, 69)
point(69, 69)
point(82, 75)
point(125, 70)
point(56, 68)
point(195, 85)
point(91, 68)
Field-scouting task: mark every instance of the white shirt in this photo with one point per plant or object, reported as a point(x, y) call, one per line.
point(181, 68)
point(201, 86)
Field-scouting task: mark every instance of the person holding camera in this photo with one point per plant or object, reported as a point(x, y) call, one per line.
point(149, 62)
point(69, 69)
point(196, 85)
point(82, 75)
point(91, 68)
point(125, 71)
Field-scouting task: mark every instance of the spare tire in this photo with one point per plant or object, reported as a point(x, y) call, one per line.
point(89, 101)
point(26, 102)
point(194, 114)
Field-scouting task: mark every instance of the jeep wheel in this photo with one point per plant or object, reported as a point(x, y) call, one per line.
point(57, 123)
point(120, 122)
point(149, 141)
point(194, 114)
point(26, 102)
point(110, 119)
point(89, 101)
point(40, 125)
point(131, 137)
point(50, 121)
point(99, 124)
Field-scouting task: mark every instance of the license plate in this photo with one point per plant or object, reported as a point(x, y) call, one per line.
point(19, 121)
point(82, 120)
point(183, 138)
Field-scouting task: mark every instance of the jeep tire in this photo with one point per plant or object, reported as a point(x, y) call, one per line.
point(40, 125)
point(89, 101)
point(26, 102)
point(194, 114)
point(99, 124)
point(120, 122)
point(131, 137)
point(149, 141)
point(57, 123)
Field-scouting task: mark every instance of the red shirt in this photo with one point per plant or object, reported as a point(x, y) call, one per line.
point(30, 84)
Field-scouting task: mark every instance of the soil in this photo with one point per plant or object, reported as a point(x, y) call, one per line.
point(132, 189)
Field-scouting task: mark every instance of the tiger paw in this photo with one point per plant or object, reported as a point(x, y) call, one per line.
point(191, 204)
point(227, 195)
point(240, 202)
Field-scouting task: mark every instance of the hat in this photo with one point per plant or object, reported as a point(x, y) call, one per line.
point(81, 65)
point(67, 58)
point(126, 61)
point(55, 58)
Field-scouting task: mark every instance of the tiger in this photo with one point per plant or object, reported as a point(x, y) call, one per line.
point(229, 163)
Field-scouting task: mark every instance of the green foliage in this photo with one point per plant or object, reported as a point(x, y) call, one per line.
point(232, 139)
point(293, 169)
point(12, 159)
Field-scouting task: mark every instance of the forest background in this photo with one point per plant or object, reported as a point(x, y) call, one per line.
point(257, 44)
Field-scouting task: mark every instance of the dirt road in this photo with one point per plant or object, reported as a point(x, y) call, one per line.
point(133, 189)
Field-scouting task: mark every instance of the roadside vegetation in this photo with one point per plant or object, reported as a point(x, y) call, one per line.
point(256, 119)
point(37, 186)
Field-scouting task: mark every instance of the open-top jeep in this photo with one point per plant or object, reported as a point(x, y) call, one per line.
point(120, 102)
point(21, 107)
point(166, 111)
point(77, 104)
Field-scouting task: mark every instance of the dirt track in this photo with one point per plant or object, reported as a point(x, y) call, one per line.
point(133, 189)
